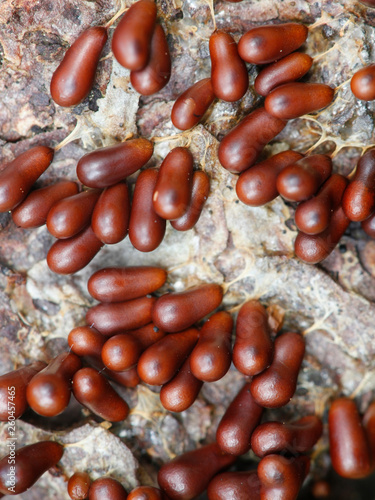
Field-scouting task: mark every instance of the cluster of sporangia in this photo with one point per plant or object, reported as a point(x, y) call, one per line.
point(130, 339)
point(130, 335)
